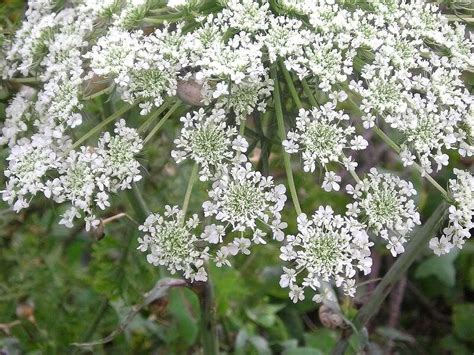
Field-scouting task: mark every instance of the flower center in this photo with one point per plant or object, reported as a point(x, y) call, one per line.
point(209, 143)
point(243, 201)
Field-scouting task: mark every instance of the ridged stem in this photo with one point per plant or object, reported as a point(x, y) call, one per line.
point(282, 133)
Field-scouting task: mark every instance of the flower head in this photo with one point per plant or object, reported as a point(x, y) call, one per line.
point(460, 214)
point(209, 141)
point(242, 200)
point(383, 202)
point(327, 247)
point(323, 135)
point(170, 242)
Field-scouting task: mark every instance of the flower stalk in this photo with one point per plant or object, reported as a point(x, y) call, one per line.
point(282, 133)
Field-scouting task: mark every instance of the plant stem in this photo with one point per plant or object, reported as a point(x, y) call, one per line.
point(282, 133)
point(397, 149)
point(138, 204)
point(355, 176)
point(210, 343)
point(98, 93)
point(416, 245)
point(102, 124)
point(291, 86)
point(309, 93)
point(242, 128)
point(189, 189)
point(25, 80)
point(162, 121)
point(153, 116)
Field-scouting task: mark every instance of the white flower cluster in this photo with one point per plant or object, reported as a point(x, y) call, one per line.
point(327, 247)
point(85, 178)
point(395, 64)
point(171, 242)
point(460, 214)
point(243, 200)
point(210, 142)
point(144, 68)
point(322, 135)
point(382, 201)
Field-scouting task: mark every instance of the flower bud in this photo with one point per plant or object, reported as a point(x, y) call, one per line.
point(190, 92)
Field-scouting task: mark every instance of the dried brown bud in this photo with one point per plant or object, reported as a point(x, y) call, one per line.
point(329, 318)
point(190, 92)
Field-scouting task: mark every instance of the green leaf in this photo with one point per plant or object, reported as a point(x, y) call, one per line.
point(184, 308)
point(463, 316)
point(323, 339)
point(441, 267)
point(264, 315)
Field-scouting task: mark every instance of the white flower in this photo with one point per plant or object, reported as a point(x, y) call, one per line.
point(328, 247)
point(383, 202)
point(243, 200)
point(170, 243)
point(296, 293)
point(322, 135)
point(176, 3)
point(331, 181)
point(461, 212)
point(209, 141)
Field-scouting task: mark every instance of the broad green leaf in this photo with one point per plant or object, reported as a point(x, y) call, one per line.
point(264, 315)
point(441, 267)
point(322, 338)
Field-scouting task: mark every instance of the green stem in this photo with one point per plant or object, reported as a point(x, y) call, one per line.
point(355, 176)
point(397, 149)
point(138, 204)
point(309, 93)
point(210, 341)
point(153, 116)
point(98, 93)
point(242, 128)
point(95, 323)
point(25, 80)
point(189, 189)
point(102, 124)
point(416, 245)
point(282, 133)
point(291, 86)
point(162, 121)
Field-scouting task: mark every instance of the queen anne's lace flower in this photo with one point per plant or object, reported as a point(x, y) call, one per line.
point(243, 200)
point(327, 247)
point(247, 15)
point(397, 65)
point(383, 202)
point(18, 115)
point(460, 214)
point(209, 141)
point(171, 242)
point(85, 177)
point(322, 135)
